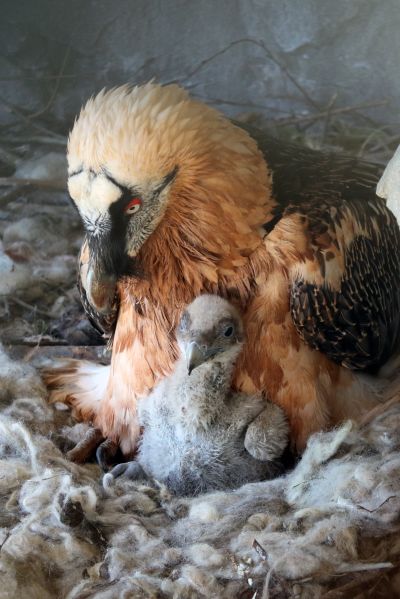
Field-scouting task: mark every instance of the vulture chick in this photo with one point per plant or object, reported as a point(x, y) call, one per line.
point(177, 201)
point(198, 434)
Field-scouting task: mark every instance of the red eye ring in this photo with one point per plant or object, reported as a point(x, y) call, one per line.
point(133, 206)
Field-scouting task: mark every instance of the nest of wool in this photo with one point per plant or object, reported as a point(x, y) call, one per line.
point(329, 528)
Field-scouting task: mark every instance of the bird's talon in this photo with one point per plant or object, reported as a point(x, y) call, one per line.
point(106, 454)
point(131, 470)
point(86, 447)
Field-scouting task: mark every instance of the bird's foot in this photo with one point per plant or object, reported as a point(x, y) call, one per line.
point(268, 434)
point(92, 443)
point(131, 470)
point(106, 454)
point(85, 449)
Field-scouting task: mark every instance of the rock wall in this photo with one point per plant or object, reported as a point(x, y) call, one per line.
point(277, 58)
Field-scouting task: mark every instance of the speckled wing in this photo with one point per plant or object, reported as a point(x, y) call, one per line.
point(104, 323)
point(355, 320)
point(345, 291)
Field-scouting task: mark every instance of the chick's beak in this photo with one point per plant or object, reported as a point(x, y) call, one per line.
point(194, 356)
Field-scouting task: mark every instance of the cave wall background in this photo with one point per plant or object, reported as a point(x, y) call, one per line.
point(277, 59)
point(323, 72)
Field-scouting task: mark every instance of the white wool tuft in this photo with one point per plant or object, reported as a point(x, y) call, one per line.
point(203, 554)
point(63, 535)
point(204, 512)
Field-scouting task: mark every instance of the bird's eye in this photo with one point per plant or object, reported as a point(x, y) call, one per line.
point(133, 206)
point(228, 332)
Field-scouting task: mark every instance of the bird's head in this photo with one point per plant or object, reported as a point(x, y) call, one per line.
point(210, 328)
point(137, 155)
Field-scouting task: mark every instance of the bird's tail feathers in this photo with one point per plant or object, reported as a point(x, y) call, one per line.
point(79, 384)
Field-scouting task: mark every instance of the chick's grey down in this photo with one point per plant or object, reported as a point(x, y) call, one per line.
point(198, 434)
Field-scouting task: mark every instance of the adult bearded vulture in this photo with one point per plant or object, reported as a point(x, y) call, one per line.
point(176, 201)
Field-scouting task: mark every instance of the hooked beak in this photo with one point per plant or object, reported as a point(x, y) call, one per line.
point(100, 290)
point(194, 356)
point(102, 262)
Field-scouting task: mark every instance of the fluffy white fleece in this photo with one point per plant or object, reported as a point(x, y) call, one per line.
point(63, 536)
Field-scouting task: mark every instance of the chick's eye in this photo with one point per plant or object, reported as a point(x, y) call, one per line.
point(228, 332)
point(133, 206)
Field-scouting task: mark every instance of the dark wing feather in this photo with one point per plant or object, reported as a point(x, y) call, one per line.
point(302, 176)
point(357, 324)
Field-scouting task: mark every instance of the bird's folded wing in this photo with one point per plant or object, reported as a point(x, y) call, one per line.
point(345, 293)
point(345, 288)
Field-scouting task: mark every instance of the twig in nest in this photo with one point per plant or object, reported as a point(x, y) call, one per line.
point(364, 567)
point(29, 118)
point(378, 410)
point(35, 309)
point(325, 113)
point(269, 55)
point(360, 583)
point(305, 482)
point(361, 507)
point(22, 182)
point(8, 535)
point(218, 101)
point(260, 550)
point(29, 121)
point(328, 118)
point(40, 78)
point(56, 86)
point(54, 141)
point(9, 195)
point(8, 158)
point(39, 340)
point(373, 135)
